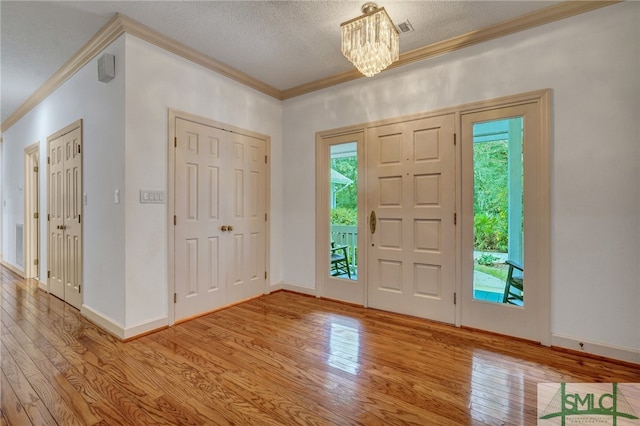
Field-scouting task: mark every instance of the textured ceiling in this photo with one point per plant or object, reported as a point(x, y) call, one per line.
point(282, 43)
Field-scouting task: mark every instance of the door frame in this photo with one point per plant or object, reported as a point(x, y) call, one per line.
point(173, 115)
point(31, 208)
point(537, 214)
point(543, 99)
point(354, 291)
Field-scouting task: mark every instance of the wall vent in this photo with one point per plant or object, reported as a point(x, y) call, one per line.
point(404, 27)
point(19, 244)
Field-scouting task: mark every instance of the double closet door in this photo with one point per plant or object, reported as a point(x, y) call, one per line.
point(64, 276)
point(220, 190)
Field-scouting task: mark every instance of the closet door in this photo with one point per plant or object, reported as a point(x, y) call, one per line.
point(56, 218)
point(220, 206)
point(65, 215)
point(245, 209)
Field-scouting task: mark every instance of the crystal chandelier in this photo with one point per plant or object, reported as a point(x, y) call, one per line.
point(370, 41)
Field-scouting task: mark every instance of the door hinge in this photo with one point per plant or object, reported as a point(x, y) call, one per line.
point(175, 220)
point(36, 262)
point(265, 159)
point(175, 142)
point(78, 149)
point(455, 298)
point(175, 297)
point(36, 215)
point(78, 218)
point(35, 169)
point(48, 160)
point(265, 275)
point(80, 289)
point(265, 217)
point(454, 139)
point(48, 274)
point(48, 217)
point(455, 218)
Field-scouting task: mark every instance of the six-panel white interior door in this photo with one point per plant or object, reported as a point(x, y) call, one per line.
point(64, 151)
point(411, 191)
point(220, 189)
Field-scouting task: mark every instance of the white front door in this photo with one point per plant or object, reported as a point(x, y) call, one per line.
point(411, 200)
point(65, 216)
point(220, 223)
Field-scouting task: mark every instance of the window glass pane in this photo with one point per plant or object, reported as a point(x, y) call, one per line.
point(498, 211)
point(344, 211)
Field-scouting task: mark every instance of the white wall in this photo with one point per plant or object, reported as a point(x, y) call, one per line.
point(100, 105)
point(156, 81)
point(1, 199)
point(592, 63)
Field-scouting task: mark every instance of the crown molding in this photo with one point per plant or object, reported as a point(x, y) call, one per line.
point(113, 29)
point(121, 24)
point(107, 34)
point(525, 22)
point(154, 37)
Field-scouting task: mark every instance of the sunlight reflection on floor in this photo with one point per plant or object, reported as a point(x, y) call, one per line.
point(344, 348)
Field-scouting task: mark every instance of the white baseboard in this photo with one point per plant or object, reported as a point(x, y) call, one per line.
point(274, 287)
point(43, 286)
point(12, 268)
point(594, 348)
point(118, 330)
point(298, 289)
point(147, 327)
point(107, 324)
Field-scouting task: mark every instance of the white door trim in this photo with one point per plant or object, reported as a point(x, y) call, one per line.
point(32, 207)
point(173, 115)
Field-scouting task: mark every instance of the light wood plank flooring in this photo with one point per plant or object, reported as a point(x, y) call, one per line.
point(282, 359)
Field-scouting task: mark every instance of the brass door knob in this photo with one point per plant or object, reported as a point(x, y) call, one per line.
point(223, 228)
point(230, 228)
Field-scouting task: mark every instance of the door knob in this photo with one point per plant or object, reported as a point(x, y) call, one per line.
point(230, 228)
point(223, 228)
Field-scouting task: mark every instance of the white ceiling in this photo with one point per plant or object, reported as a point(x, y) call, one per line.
point(281, 43)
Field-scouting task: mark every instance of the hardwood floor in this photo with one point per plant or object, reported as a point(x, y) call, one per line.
point(278, 360)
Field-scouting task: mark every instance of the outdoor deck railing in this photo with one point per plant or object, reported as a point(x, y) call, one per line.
point(347, 235)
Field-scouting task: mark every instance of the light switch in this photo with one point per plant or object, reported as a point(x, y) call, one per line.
point(116, 196)
point(151, 197)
